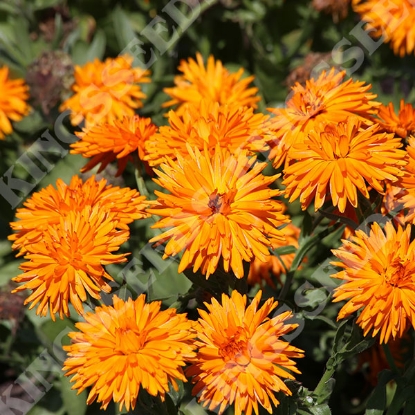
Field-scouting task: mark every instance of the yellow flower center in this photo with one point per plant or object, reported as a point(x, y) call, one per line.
point(128, 341)
point(236, 349)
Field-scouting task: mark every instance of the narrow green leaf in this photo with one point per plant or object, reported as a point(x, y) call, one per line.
point(74, 404)
point(377, 401)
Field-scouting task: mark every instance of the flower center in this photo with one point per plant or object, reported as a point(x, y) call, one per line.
point(128, 341)
point(220, 202)
point(396, 274)
point(236, 350)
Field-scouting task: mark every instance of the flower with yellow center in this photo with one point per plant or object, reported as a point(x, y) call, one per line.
point(208, 124)
point(68, 262)
point(392, 20)
point(336, 160)
point(105, 91)
point(13, 101)
point(218, 205)
point(131, 345)
point(378, 271)
point(118, 140)
point(326, 99)
point(241, 358)
point(49, 205)
point(211, 83)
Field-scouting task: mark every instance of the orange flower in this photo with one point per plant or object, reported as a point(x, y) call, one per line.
point(68, 262)
point(13, 105)
point(402, 124)
point(105, 91)
point(393, 20)
point(208, 123)
point(326, 99)
point(114, 141)
point(49, 205)
point(241, 358)
point(128, 346)
point(218, 205)
point(340, 159)
point(213, 83)
point(275, 266)
point(379, 275)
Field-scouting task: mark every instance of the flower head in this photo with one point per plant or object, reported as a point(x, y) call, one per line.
point(212, 83)
point(131, 345)
point(117, 140)
point(241, 358)
point(379, 274)
point(68, 262)
point(338, 160)
point(219, 205)
point(208, 124)
point(325, 99)
point(105, 91)
point(49, 205)
point(13, 101)
point(402, 124)
point(393, 21)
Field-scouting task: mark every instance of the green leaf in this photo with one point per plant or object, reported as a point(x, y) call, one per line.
point(285, 250)
point(122, 27)
point(97, 47)
point(74, 403)
point(376, 404)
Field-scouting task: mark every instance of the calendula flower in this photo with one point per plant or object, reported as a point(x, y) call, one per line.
point(218, 205)
point(105, 91)
point(337, 8)
point(208, 124)
point(213, 82)
point(378, 271)
point(393, 21)
point(402, 124)
point(260, 272)
point(131, 345)
point(49, 205)
point(13, 101)
point(325, 99)
point(68, 262)
point(337, 160)
point(241, 358)
point(117, 140)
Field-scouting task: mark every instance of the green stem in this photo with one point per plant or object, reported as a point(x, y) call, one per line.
point(328, 374)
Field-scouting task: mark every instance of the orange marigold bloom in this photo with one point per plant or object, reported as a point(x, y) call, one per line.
point(13, 96)
point(379, 275)
point(105, 91)
point(114, 141)
point(402, 124)
point(338, 160)
point(327, 99)
point(275, 266)
point(393, 21)
point(208, 123)
point(213, 82)
point(241, 358)
point(49, 205)
point(130, 345)
point(219, 205)
point(68, 262)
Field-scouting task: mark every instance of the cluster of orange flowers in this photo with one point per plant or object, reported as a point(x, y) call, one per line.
point(335, 146)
